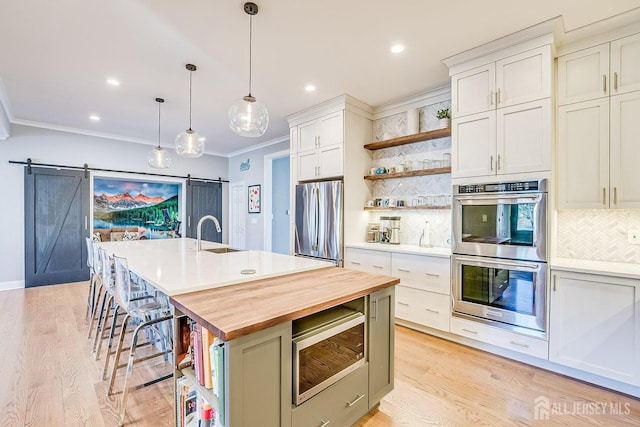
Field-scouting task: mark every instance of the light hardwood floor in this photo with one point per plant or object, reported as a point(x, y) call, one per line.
point(49, 378)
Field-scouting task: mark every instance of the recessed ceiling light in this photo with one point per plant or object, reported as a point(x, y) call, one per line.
point(310, 88)
point(397, 48)
point(94, 118)
point(113, 82)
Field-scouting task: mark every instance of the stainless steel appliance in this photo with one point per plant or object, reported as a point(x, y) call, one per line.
point(505, 220)
point(319, 231)
point(390, 229)
point(373, 232)
point(499, 255)
point(327, 346)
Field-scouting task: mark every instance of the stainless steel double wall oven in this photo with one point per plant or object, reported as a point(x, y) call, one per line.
point(500, 254)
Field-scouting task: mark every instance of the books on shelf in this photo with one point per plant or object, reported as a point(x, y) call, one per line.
point(207, 341)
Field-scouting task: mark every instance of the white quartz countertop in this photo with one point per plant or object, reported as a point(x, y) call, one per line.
point(597, 267)
point(174, 266)
point(405, 249)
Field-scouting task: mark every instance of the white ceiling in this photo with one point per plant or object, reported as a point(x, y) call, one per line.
point(56, 55)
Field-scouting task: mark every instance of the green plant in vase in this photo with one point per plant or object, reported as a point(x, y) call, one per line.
point(444, 117)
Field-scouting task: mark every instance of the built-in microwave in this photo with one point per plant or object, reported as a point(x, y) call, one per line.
point(327, 346)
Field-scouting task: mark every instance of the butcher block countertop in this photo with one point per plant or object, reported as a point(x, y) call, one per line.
point(233, 311)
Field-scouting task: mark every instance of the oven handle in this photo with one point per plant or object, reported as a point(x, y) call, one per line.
point(535, 198)
point(510, 264)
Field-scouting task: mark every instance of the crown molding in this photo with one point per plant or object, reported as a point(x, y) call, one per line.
point(5, 114)
point(546, 32)
point(433, 96)
point(345, 102)
point(259, 146)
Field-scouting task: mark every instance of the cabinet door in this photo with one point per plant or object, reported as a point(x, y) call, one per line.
point(625, 151)
point(330, 161)
point(524, 77)
point(473, 91)
point(524, 138)
point(594, 325)
point(473, 145)
point(308, 135)
point(331, 129)
point(583, 155)
point(308, 165)
point(381, 342)
point(583, 75)
point(625, 65)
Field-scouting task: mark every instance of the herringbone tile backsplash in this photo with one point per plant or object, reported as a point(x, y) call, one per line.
point(599, 235)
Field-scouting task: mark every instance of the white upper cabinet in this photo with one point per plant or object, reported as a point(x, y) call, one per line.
point(502, 120)
point(583, 155)
point(625, 64)
point(603, 70)
point(472, 91)
point(320, 146)
point(625, 151)
point(583, 75)
point(510, 81)
point(524, 77)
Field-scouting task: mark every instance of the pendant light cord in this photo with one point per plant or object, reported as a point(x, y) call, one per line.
point(250, 38)
point(190, 80)
point(159, 105)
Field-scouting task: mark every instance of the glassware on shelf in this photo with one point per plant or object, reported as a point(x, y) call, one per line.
point(446, 160)
point(436, 164)
point(426, 164)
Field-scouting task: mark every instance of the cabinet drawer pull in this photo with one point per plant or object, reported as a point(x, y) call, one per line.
point(604, 83)
point(324, 423)
point(403, 303)
point(431, 275)
point(491, 162)
point(350, 404)
point(377, 266)
point(615, 81)
point(615, 195)
point(470, 331)
point(354, 262)
point(499, 158)
point(498, 96)
point(519, 344)
point(432, 311)
point(604, 196)
point(403, 270)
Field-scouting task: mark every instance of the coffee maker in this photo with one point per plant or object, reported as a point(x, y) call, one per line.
point(390, 229)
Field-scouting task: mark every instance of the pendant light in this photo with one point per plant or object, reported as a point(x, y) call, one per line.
point(248, 117)
point(189, 143)
point(158, 157)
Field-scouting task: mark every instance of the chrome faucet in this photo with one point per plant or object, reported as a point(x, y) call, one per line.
point(199, 234)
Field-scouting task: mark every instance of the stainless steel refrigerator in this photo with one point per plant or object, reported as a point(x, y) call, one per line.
point(319, 220)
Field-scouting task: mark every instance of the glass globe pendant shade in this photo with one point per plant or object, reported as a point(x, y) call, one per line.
point(190, 144)
point(158, 158)
point(248, 117)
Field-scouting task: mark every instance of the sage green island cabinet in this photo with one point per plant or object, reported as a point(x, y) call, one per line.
point(254, 324)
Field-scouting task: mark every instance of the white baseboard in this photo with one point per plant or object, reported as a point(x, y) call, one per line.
point(16, 284)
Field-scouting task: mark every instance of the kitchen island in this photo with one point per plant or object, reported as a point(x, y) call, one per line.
point(254, 317)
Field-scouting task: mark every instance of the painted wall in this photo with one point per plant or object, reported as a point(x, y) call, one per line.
point(55, 147)
point(254, 223)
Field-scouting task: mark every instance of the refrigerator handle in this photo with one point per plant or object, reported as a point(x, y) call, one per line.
point(317, 218)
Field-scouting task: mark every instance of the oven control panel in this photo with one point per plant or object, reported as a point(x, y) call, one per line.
point(503, 187)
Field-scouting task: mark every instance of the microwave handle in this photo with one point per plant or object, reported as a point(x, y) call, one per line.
point(510, 264)
point(535, 198)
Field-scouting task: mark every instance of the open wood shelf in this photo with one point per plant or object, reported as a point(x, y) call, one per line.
point(407, 174)
point(406, 208)
point(409, 139)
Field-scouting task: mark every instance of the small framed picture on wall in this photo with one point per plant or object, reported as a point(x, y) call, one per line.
point(254, 198)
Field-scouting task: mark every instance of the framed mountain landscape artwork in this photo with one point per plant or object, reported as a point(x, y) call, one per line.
point(126, 209)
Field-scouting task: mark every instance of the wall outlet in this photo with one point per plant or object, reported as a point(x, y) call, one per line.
point(633, 236)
